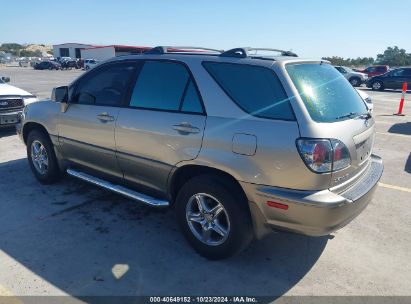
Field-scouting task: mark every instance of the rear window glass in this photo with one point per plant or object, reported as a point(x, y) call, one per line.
point(327, 95)
point(254, 89)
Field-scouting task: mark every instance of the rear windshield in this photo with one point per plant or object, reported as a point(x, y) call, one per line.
point(327, 95)
point(255, 89)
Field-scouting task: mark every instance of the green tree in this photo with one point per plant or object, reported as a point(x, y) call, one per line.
point(357, 62)
point(335, 60)
point(12, 48)
point(27, 53)
point(394, 56)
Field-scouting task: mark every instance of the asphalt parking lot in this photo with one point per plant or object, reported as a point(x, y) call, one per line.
point(75, 239)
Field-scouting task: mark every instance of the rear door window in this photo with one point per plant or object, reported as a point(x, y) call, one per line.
point(255, 89)
point(167, 86)
point(327, 95)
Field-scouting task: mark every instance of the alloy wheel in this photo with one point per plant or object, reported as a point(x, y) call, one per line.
point(376, 85)
point(208, 220)
point(39, 157)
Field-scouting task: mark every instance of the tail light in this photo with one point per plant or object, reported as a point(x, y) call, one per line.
point(341, 156)
point(323, 155)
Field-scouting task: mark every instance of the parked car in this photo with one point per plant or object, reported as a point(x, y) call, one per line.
point(355, 78)
point(367, 100)
point(90, 63)
point(236, 142)
point(35, 60)
point(69, 64)
point(392, 80)
point(61, 59)
point(47, 65)
point(23, 63)
point(12, 101)
point(80, 63)
point(375, 70)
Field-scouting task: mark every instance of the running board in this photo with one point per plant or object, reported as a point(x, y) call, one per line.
point(151, 201)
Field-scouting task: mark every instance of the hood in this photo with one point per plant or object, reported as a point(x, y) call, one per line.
point(6, 89)
point(360, 74)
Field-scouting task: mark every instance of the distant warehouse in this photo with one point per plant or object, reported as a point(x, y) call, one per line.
point(98, 52)
point(106, 52)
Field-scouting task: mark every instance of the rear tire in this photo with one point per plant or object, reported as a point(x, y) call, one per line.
point(44, 164)
point(230, 228)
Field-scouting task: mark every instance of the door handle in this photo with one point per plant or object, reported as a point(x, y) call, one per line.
point(104, 117)
point(186, 128)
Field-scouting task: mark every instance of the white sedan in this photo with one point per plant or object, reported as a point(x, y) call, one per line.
point(12, 102)
point(90, 63)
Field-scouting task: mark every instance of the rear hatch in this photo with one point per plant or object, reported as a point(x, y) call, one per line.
point(336, 113)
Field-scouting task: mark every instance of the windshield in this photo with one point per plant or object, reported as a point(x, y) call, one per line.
point(1, 81)
point(327, 95)
point(349, 70)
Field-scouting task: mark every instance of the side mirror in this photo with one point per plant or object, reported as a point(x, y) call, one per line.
point(5, 79)
point(60, 94)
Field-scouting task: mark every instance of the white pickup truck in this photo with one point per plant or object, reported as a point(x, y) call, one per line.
point(12, 102)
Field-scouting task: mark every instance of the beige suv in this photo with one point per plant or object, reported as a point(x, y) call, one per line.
point(237, 142)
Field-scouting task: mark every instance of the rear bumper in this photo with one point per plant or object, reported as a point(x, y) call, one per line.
point(313, 213)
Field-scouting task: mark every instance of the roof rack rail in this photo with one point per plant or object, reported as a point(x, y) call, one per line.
point(244, 52)
point(178, 49)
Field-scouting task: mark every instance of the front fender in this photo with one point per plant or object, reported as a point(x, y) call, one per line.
point(45, 113)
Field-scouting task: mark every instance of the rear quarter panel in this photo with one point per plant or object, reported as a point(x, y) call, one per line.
point(276, 161)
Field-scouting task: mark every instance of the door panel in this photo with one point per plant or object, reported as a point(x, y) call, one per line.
point(162, 126)
point(150, 143)
point(389, 82)
point(87, 137)
point(86, 129)
point(399, 81)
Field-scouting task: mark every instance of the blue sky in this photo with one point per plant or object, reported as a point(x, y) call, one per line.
point(314, 28)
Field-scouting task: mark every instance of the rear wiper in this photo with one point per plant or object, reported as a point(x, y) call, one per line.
point(355, 115)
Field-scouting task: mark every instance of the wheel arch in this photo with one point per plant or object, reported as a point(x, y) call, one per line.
point(30, 126)
point(354, 77)
point(182, 174)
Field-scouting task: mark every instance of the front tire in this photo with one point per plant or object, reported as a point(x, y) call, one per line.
point(41, 157)
point(355, 81)
point(377, 86)
point(214, 217)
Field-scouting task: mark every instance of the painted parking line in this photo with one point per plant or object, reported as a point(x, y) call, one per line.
point(5, 292)
point(7, 297)
point(395, 187)
point(394, 134)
